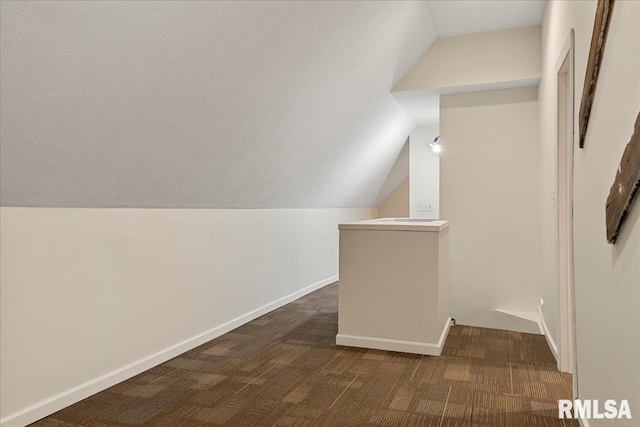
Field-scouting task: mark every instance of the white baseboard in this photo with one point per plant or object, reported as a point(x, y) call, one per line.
point(416, 347)
point(547, 335)
point(62, 400)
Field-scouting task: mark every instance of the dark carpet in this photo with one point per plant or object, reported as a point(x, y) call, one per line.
point(284, 369)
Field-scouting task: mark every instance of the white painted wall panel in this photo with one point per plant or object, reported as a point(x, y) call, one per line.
point(488, 190)
point(85, 292)
point(424, 172)
point(456, 63)
point(607, 277)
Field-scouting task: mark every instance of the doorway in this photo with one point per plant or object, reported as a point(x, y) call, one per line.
point(567, 361)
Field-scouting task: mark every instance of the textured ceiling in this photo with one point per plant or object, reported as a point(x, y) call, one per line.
point(217, 104)
point(204, 104)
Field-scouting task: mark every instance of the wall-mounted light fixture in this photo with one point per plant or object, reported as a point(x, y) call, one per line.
point(435, 145)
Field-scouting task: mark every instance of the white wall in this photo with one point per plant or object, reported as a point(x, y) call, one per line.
point(393, 198)
point(397, 204)
point(86, 292)
point(488, 190)
point(424, 172)
point(607, 277)
point(496, 57)
point(397, 175)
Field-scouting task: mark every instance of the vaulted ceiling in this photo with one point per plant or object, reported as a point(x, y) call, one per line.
point(204, 104)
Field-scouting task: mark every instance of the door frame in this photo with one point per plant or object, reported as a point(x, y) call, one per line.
point(565, 143)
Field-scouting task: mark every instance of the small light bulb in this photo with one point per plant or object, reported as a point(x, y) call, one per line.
point(436, 148)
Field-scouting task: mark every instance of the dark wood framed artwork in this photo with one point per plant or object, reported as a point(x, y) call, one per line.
point(598, 41)
point(625, 186)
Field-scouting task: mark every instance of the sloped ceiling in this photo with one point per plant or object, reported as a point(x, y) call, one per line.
point(204, 104)
point(456, 18)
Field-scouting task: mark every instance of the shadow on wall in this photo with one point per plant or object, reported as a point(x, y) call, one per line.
point(397, 174)
point(496, 97)
point(627, 230)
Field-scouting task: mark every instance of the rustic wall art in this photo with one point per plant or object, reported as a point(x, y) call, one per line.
point(598, 40)
point(625, 186)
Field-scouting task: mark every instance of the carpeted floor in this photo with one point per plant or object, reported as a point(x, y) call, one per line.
point(285, 369)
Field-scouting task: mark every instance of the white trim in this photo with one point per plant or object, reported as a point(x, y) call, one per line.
point(478, 87)
point(583, 422)
point(396, 345)
point(62, 400)
point(567, 48)
point(566, 356)
point(547, 335)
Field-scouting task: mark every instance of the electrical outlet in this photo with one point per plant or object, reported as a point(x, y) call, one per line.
point(425, 207)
